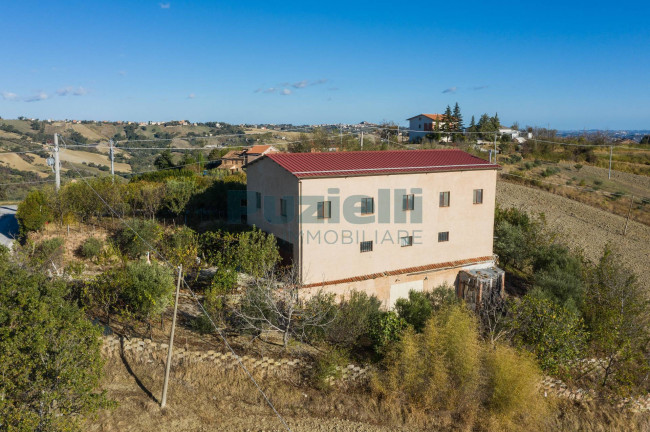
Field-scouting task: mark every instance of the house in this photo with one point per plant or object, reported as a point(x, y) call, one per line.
point(385, 222)
point(422, 124)
point(257, 151)
point(232, 161)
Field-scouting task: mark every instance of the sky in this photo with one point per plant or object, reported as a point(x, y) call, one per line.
point(564, 65)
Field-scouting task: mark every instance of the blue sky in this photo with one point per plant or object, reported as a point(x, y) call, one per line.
point(570, 65)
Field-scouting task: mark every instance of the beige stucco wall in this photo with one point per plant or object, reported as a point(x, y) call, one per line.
point(330, 248)
point(327, 256)
point(274, 182)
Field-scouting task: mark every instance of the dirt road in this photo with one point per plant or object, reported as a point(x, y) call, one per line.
point(583, 227)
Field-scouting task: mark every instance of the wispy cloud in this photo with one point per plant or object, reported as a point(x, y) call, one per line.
point(41, 96)
point(191, 96)
point(122, 72)
point(69, 90)
point(300, 84)
point(269, 90)
point(9, 96)
point(320, 81)
point(332, 88)
point(450, 90)
point(286, 86)
point(285, 92)
point(479, 87)
point(165, 5)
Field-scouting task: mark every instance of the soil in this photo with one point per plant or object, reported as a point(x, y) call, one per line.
point(582, 227)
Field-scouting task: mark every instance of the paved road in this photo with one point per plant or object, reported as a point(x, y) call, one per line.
point(8, 225)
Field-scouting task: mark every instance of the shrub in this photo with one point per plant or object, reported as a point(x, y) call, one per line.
point(351, 327)
point(48, 252)
point(149, 234)
point(577, 166)
point(182, 247)
point(33, 212)
point(598, 182)
point(418, 308)
point(329, 367)
point(512, 395)
point(147, 288)
point(447, 371)
point(386, 328)
point(554, 334)
point(558, 273)
point(91, 248)
point(256, 252)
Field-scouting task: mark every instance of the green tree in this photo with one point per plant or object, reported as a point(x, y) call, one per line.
point(458, 118)
point(50, 362)
point(558, 273)
point(33, 212)
point(256, 253)
point(354, 319)
point(147, 288)
point(149, 234)
point(617, 313)
point(179, 193)
point(165, 160)
point(645, 140)
point(554, 334)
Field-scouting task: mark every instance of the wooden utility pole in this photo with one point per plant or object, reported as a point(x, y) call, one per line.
point(361, 140)
point(163, 401)
point(57, 163)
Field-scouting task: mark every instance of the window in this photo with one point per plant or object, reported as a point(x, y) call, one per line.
point(444, 199)
point(283, 207)
point(367, 205)
point(258, 200)
point(408, 202)
point(366, 246)
point(443, 236)
point(406, 241)
point(478, 196)
point(324, 210)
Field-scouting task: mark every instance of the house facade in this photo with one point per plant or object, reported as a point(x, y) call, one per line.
point(385, 222)
point(422, 124)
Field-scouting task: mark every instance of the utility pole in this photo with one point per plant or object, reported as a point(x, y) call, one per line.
point(112, 155)
point(163, 401)
point(628, 215)
point(361, 140)
point(609, 175)
point(495, 147)
point(57, 163)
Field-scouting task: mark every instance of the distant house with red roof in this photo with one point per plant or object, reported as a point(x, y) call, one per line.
point(384, 222)
point(236, 160)
point(422, 124)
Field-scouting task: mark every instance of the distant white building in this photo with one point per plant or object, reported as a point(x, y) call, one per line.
point(516, 135)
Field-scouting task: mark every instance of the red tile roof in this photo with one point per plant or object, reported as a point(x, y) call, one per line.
point(360, 163)
point(435, 117)
point(258, 149)
point(418, 269)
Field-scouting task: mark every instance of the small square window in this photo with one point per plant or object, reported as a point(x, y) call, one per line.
point(283, 207)
point(406, 241)
point(258, 200)
point(444, 199)
point(408, 202)
point(366, 246)
point(324, 210)
point(367, 205)
point(443, 236)
point(478, 196)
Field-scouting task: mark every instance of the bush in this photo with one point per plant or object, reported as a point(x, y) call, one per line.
point(147, 288)
point(447, 371)
point(149, 234)
point(33, 212)
point(91, 248)
point(351, 327)
point(386, 328)
point(48, 252)
point(329, 367)
point(418, 308)
point(182, 247)
point(554, 334)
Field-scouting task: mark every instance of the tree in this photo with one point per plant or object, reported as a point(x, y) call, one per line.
point(256, 252)
point(355, 317)
point(147, 288)
point(149, 234)
point(179, 193)
point(553, 333)
point(645, 140)
point(558, 273)
point(617, 312)
point(273, 304)
point(458, 118)
point(165, 160)
point(33, 212)
point(50, 362)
